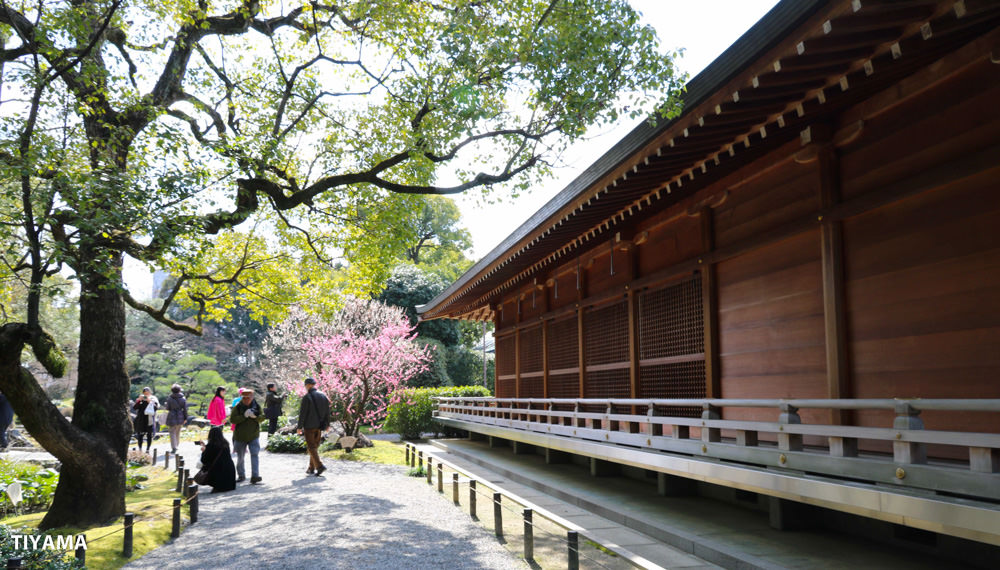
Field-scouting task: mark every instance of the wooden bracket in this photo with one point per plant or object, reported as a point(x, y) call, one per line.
point(812, 141)
point(713, 201)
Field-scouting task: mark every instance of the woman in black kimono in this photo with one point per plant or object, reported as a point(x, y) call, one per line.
point(216, 460)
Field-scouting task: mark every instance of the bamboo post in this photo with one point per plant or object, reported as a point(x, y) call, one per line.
point(192, 493)
point(497, 515)
point(472, 499)
point(440, 477)
point(175, 530)
point(529, 536)
point(127, 540)
point(454, 487)
point(573, 546)
point(81, 551)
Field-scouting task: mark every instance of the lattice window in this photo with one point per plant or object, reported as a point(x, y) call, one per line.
point(678, 380)
point(505, 360)
point(672, 345)
point(533, 387)
point(531, 350)
point(563, 346)
point(606, 334)
point(671, 321)
point(564, 385)
point(505, 388)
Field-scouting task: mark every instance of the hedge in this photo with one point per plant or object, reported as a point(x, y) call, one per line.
point(411, 416)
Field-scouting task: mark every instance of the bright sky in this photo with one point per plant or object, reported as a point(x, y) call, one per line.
point(704, 28)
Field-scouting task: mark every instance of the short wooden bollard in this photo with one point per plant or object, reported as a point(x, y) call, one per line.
point(430, 470)
point(497, 515)
point(175, 530)
point(127, 539)
point(573, 547)
point(192, 495)
point(472, 499)
point(187, 477)
point(454, 487)
point(180, 479)
point(154, 455)
point(81, 551)
point(529, 536)
point(13, 563)
point(420, 459)
point(407, 446)
point(166, 460)
point(440, 477)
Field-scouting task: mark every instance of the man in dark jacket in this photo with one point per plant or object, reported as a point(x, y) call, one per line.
point(314, 418)
point(246, 418)
point(272, 408)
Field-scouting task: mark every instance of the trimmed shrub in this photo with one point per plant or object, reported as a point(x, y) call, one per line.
point(138, 458)
point(291, 443)
point(412, 415)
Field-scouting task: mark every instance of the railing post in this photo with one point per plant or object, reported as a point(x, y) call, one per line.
point(573, 549)
point(654, 428)
point(127, 538)
point(454, 487)
point(420, 460)
point(407, 447)
point(430, 470)
point(710, 434)
point(472, 499)
point(154, 455)
point(440, 477)
point(497, 515)
point(529, 536)
point(789, 416)
point(907, 418)
point(166, 460)
point(180, 477)
point(175, 530)
point(192, 495)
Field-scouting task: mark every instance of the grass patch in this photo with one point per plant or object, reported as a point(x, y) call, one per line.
point(151, 505)
point(387, 452)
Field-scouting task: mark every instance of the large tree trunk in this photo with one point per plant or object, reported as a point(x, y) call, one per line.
point(93, 488)
point(92, 449)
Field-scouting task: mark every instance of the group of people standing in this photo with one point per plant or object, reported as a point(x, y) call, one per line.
point(145, 408)
point(246, 416)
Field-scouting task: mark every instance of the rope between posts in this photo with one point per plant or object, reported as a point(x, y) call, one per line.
point(534, 525)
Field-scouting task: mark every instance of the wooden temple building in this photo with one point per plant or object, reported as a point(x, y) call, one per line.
point(792, 289)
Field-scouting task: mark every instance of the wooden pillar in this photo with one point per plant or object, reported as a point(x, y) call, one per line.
point(517, 348)
point(545, 358)
point(710, 308)
point(581, 291)
point(633, 345)
point(834, 306)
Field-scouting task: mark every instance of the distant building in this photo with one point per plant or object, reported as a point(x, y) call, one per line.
point(791, 290)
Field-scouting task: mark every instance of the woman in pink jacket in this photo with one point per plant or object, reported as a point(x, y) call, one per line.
point(217, 408)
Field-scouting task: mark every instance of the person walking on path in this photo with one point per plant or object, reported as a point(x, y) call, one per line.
point(246, 418)
point(145, 416)
point(177, 413)
point(217, 408)
point(272, 408)
point(314, 418)
point(6, 417)
point(215, 460)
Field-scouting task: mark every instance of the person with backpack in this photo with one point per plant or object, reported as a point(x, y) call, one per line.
point(177, 414)
point(314, 419)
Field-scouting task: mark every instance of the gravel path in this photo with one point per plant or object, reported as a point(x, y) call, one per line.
point(358, 515)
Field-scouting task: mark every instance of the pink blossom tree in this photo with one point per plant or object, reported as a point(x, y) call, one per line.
point(363, 372)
